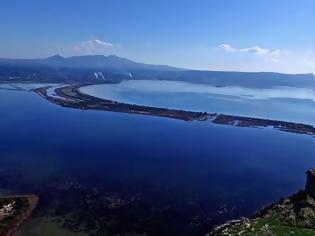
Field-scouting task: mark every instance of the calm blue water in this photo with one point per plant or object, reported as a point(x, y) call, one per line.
point(278, 103)
point(189, 169)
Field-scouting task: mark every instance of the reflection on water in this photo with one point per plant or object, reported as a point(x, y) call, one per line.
point(279, 103)
point(51, 91)
point(25, 86)
point(103, 171)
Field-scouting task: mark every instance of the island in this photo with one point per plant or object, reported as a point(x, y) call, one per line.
point(14, 210)
point(71, 96)
point(294, 215)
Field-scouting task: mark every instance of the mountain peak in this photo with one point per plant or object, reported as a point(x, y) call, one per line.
point(113, 56)
point(113, 63)
point(55, 57)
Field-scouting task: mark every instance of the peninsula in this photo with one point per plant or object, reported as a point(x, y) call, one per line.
point(71, 96)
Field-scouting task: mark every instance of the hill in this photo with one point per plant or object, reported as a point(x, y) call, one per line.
point(99, 68)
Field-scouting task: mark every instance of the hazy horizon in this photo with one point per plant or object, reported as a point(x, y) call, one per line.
point(244, 71)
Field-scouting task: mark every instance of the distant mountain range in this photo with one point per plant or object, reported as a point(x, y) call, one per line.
point(97, 62)
point(58, 69)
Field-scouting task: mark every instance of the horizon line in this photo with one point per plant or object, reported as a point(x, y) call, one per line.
point(154, 64)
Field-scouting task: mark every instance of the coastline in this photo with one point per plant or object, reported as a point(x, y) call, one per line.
point(26, 204)
point(70, 96)
point(293, 215)
point(224, 119)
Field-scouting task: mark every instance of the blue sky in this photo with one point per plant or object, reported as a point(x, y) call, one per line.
point(245, 35)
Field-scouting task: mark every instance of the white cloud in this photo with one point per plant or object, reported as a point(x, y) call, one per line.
point(276, 52)
point(92, 45)
point(254, 49)
point(273, 55)
point(102, 43)
point(227, 47)
point(257, 58)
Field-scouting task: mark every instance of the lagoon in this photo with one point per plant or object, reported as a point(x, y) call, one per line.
point(278, 103)
point(174, 177)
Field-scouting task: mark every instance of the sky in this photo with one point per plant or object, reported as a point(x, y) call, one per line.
point(234, 35)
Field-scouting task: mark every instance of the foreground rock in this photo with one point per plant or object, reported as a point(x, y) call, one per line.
point(14, 210)
point(294, 215)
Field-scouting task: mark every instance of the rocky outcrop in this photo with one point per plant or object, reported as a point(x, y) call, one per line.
point(15, 210)
point(310, 182)
point(294, 215)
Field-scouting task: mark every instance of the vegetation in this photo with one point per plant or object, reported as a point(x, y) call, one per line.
point(294, 215)
point(14, 210)
point(266, 227)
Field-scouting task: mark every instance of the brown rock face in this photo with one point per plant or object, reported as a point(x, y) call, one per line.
point(310, 182)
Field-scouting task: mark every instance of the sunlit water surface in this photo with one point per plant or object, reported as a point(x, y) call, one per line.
point(187, 176)
point(278, 103)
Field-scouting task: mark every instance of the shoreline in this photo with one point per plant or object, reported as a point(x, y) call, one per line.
point(293, 215)
point(18, 216)
point(72, 97)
